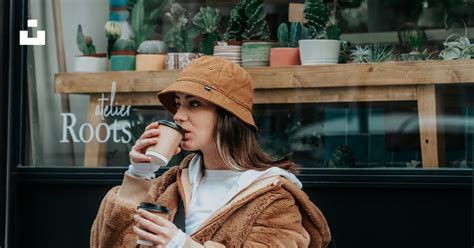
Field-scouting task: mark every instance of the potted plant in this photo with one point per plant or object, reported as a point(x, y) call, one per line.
point(151, 56)
point(287, 52)
point(247, 24)
point(372, 54)
point(320, 44)
point(123, 55)
point(457, 47)
point(206, 21)
point(113, 31)
point(90, 61)
point(179, 38)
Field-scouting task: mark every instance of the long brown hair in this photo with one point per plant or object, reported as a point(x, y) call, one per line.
point(238, 146)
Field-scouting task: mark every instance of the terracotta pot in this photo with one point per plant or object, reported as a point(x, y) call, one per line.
point(177, 61)
point(319, 52)
point(284, 56)
point(90, 63)
point(151, 62)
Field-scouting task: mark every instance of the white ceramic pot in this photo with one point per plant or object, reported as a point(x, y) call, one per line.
point(319, 52)
point(90, 64)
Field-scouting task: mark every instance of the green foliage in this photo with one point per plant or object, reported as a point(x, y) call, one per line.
point(152, 47)
point(291, 39)
point(256, 27)
point(317, 17)
point(84, 43)
point(179, 37)
point(282, 35)
point(295, 33)
point(457, 47)
point(372, 54)
point(124, 45)
point(144, 15)
point(206, 22)
point(247, 22)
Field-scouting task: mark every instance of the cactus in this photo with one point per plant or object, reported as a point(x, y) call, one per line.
point(152, 47)
point(124, 45)
point(178, 37)
point(282, 34)
point(206, 21)
point(256, 26)
point(247, 21)
point(85, 44)
point(317, 17)
point(295, 34)
point(236, 23)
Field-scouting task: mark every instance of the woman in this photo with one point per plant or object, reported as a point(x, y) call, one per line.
point(233, 194)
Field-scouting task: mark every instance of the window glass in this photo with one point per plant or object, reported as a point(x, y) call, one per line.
point(80, 116)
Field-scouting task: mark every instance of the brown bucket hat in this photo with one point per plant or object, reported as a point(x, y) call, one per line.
point(216, 80)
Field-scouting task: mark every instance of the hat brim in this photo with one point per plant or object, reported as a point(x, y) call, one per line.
point(214, 96)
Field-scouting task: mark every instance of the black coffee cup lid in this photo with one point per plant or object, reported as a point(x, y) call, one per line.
point(153, 207)
point(172, 125)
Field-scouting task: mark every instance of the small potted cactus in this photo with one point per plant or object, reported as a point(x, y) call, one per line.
point(179, 39)
point(123, 56)
point(320, 42)
point(247, 24)
point(207, 21)
point(151, 56)
point(90, 61)
point(287, 52)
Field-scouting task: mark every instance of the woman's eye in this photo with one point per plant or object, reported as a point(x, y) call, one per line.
point(194, 104)
point(178, 105)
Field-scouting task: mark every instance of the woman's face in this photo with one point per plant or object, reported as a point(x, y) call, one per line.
point(198, 117)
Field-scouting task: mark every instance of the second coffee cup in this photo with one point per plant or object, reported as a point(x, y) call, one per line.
point(170, 136)
point(155, 209)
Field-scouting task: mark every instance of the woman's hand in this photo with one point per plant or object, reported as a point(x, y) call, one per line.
point(154, 228)
point(148, 138)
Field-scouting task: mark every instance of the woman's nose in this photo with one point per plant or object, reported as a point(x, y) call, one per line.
point(180, 116)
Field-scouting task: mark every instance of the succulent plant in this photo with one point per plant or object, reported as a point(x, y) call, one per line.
point(247, 22)
point(236, 22)
point(124, 45)
point(282, 34)
point(289, 40)
point(152, 47)
point(361, 54)
point(178, 38)
point(372, 54)
point(256, 27)
point(112, 32)
point(295, 33)
point(457, 47)
point(342, 157)
point(144, 16)
point(206, 21)
point(84, 43)
point(317, 17)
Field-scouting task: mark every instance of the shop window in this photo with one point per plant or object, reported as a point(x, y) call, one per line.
point(92, 119)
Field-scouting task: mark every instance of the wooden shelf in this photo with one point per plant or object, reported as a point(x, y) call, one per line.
point(325, 76)
point(407, 81)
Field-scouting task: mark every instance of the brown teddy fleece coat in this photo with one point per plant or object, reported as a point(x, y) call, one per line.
point(271, 212)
